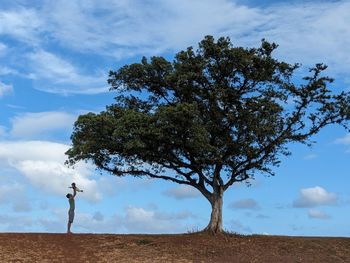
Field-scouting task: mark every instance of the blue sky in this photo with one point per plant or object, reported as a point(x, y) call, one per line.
point(54, 60)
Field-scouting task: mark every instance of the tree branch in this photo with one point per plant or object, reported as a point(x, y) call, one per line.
point(145, 173)
point(267, 149)
point(192, 183)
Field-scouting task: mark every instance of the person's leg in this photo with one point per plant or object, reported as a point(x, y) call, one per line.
point(70, 220)
point(68, 227)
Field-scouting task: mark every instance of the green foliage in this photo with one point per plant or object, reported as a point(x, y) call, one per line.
point(212, 117)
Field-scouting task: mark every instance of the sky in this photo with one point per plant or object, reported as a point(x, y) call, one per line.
point(54, 63)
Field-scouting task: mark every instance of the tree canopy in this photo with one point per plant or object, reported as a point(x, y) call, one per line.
point(210, 118)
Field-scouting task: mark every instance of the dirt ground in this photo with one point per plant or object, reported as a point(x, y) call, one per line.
point(197, 247)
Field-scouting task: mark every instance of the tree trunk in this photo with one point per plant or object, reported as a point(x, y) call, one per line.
point(215, 224)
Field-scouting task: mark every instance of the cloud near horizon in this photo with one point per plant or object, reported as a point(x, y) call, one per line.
point(315, 196)
point(42, 163)
point(316, 214)
point(132, 219)
point(248, 203)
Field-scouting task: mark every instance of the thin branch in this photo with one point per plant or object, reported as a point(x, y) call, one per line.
point(192, 165)
point(146, 173)
point(267, 149)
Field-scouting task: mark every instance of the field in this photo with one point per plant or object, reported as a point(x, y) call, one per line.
point(197, 247)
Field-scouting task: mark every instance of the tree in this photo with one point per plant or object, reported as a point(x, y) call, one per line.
point(209, 119)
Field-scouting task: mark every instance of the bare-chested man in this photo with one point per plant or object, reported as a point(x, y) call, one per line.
point(71, 207)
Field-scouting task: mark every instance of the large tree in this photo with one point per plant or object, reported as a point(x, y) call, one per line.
point(210, 118)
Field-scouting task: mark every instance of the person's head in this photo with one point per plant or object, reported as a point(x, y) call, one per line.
point(69, 195)
point(73, 184)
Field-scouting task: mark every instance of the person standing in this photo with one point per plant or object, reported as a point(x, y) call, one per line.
point(71, 201)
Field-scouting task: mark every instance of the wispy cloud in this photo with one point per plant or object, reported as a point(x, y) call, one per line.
point(314, 196)
point(148, 221)
point(182, 192)
point(141, 27)
point(237, 226)
point(15, 223)
point(3, 49)
point(344, 140)
point(261, 216)
point(310, 31)
point(57, 75)
point(5, 89)
point(132, 220)
point(7, 71)
point(52, 67)
point(248, 203)
point(137, 27)
point(133, 28)
point(23, 24)
point(310, 156)
point(41, 124)
point(313, 213)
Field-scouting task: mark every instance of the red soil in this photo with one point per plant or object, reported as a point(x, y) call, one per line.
point(198, 247)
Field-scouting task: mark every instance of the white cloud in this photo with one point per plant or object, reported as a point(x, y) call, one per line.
point(140, 220)
point(140, 27)
point(22, 24)
point(134, 28)
point(7, 191)
point(182, 192)
point(37, 125)
point(261, 216)
point(5, 89)
point(63, 76)
point(15, 223)
point(83, 222)
point(310, 156)
point(174, 216)
point(315, 196)
point(22, 205)
point(87, 222)
point(131, 220)
point(245, 204)
point(154, 27)
point(42, 163)
point(344, 140)
point(54, 176)
point(98, 216)
point(321, 27)
point(136, 220)
point(13, 106)
point(3, 49)
point(313, 213)
point(51, 225)
point(7, 71)
point(52, 67)
point(111, 185)
point(238, 227)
